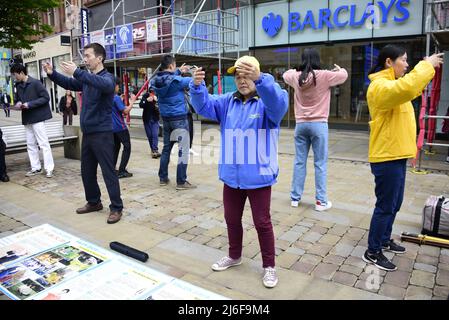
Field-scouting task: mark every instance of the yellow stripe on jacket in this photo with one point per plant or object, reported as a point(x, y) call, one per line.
point(393, 124)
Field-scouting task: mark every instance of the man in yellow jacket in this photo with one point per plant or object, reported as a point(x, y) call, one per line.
point(392, 141)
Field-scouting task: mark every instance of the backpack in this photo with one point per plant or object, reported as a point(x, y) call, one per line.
point(436, 217)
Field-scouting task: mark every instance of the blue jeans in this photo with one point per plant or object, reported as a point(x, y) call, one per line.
point(175, 131)
point(306, 134)
point(389, 177)
point(152, 131)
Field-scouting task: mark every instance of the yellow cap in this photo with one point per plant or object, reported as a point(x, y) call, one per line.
point(248, 59)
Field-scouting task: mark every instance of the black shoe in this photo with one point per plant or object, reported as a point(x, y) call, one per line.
point(5, 178)
point(124, 174)
point(393, 247)
point(379, 260)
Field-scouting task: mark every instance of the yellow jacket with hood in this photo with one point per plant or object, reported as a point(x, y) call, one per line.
point(393, 124)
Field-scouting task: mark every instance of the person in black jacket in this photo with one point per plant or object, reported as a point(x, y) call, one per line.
point(3, 176)
point(32, 98)
point(68, 107)
point(150, 118)
point(96, 123)
point(5, 100)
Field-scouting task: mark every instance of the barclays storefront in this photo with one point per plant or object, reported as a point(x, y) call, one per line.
point(346, 32)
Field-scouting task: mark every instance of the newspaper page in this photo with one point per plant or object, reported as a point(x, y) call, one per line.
point(45, 263)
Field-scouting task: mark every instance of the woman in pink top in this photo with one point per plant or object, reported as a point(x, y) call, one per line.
point(312, 101)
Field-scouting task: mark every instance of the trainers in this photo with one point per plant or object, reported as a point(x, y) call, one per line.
point(49, 174)
point(379, 260)
point(193, 152)
point(5, 178)
point(294, 203)
point(393, 247)
point(164, 182)
point(270, 278)
point(226, 262)
point(185, 186)
point(33, 173)
point(322, 207)
point(124, 174)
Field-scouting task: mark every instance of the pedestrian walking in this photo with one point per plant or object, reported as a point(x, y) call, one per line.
point(248, 170)
point(312, 94)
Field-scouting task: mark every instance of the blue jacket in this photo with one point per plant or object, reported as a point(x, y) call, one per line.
point(169, 88)
point(249, 131)
point(98, 97)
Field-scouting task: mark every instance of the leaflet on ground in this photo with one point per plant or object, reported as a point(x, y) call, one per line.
point(46, 263)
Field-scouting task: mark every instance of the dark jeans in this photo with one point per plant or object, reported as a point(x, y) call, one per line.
point(2, 156)
point(122, 137)
point(175, 131)
point(152, 131)
point(234, 203)
point(389, 177)
point(98, 148)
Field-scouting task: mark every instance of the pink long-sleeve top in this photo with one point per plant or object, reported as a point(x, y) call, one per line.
point(312, 102)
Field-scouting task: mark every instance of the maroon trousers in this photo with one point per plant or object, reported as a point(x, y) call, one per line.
point(234, 203)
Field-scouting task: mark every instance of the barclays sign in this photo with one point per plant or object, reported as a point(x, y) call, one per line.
point(374, 14)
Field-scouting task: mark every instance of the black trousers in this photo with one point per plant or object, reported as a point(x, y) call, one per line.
point(190, 119)
point(122, 137)
point(98, 149)
point(2, 156)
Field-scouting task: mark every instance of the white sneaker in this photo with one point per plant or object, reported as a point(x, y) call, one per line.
point(193, 152)
point(270, 278)
point(49, 174)
point(33, 173)
point(322, 207)
point(294, 203)
point(226, 262)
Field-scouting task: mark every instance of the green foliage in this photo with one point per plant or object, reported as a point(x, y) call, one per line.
point(18, 19)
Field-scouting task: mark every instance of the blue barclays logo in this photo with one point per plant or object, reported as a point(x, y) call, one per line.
point(272, 24)
point(376, 13)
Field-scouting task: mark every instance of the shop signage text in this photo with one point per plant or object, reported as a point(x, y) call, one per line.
point(377, 13)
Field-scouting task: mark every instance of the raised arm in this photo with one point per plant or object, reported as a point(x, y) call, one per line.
point(102, 83)
point(273, 96)
point(65, 82)
point(209, 106)
point(291, 77)
point(391, 93)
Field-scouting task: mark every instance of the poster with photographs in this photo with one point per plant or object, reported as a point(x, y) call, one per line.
point(46, 263)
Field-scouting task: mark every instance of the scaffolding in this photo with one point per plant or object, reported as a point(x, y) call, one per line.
point(199, 38)
point(437, 34)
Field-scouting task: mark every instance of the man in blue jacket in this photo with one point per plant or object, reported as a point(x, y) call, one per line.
point(96, 123)
point(32, 98)
point(249, 123)
point(169, 87)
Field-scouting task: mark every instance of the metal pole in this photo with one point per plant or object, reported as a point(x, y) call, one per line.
point(114, 38)
point(190, 27)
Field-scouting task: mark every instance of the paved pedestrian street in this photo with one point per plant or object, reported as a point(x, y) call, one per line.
point(318, 253)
